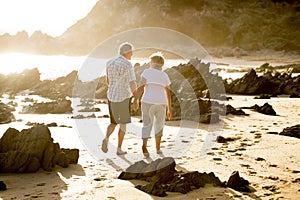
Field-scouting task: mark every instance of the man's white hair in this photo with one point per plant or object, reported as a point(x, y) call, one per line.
point(125, 48)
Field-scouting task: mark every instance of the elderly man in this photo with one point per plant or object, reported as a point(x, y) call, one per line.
point(121, 86)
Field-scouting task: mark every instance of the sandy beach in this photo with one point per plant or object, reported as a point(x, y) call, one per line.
point(269, 162)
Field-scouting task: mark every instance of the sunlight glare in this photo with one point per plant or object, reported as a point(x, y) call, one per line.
point(50, 16)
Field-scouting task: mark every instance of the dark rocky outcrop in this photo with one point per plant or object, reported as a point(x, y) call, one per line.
point(293, 131)
point(193, 88)
point(234, 111)
point(60, 106)
point(163, 177)
point(2, 186)
point(17, 82)
point(193, 92)
point(32, 149)
point(56, 89)
point(265, 109)
point(238, 183)
point(250, 84)
point(271, 82)
point(6, 115)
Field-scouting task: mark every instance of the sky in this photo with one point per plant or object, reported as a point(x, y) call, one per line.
point(52, 17)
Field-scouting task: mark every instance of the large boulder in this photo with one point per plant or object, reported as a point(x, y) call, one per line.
point(192, 88)
point(293, 131)
point(6, 115)
point(32, 149)
point(162, 177)
point(238, 183)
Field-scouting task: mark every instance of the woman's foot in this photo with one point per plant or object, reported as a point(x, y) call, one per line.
point(145, 152)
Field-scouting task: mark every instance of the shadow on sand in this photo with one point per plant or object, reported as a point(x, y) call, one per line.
point(39, 185)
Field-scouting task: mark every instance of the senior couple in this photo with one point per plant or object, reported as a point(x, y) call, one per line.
point(155, 103)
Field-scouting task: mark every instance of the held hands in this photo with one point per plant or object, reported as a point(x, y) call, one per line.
point(135, 104)
point(169, 114)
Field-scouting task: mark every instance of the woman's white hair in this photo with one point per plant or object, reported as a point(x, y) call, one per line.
point(159, 54)
point(157, 59)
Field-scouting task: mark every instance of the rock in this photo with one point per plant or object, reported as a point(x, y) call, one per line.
point(163, 177)
point(32, 149)
point(293, 131)
point(6, 115)
point(263, 96)
point(89, 109)
point(56, 89)
point(233, 111)
point(17, 82)
point(2, 186)
point(222, 139)
point(52, 124)
point(133, 171)
point(265, 109)
point(250, 84)
point(190, 84)
point(72, 155)
point(60, 106)
point(201, 179)
point(294, 96)
point(153, 188)
point(271, 82)
point(238, 183)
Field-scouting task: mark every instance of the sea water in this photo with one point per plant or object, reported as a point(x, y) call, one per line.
point(54, 66)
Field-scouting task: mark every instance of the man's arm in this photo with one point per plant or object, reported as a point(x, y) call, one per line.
point(133, 87)
point(139, 93)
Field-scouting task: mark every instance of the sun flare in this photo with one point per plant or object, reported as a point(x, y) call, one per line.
point(51, 17)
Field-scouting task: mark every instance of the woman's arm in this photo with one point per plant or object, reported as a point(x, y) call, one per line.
point(169, 113)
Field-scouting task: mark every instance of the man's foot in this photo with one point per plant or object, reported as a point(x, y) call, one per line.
point(159, 152)
point(120, 152)
point(104, 145)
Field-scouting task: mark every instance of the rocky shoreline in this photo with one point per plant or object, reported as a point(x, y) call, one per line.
point(211, 108)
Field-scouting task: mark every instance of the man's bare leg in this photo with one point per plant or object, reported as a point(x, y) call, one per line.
point(109, 131)
point(121, 135)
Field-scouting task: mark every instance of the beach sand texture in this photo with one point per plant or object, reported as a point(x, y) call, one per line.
point(269, 162)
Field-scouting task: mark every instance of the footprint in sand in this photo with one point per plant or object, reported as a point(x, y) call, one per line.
point(231, 150)
point(100, 179)
point(252, 172)
point(245, 165)
point(238, 154)
point(257, 135)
